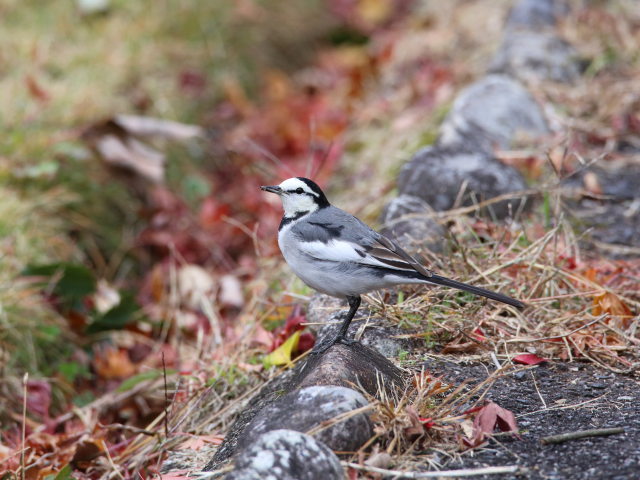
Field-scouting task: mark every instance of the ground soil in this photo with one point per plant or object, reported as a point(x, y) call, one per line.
point(558, 398)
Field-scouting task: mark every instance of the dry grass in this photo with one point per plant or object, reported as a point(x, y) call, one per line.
point(531, 258)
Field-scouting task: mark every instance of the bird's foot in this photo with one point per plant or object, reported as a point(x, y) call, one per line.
point(338, 339)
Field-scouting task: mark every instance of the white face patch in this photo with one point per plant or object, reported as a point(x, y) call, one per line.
point(297, 197)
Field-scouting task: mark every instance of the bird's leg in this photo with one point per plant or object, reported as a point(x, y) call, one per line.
point(354, 304)
point(341, 337)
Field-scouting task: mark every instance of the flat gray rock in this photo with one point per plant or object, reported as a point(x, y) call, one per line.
point(308, 408)
point(491, 114)
point(438, 174)
point(286, 455)
point(407, 220)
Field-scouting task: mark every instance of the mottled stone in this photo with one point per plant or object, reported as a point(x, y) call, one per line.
point(286, 455)
point(491, 114)
point(308, 408)
point(533, 55)
point(438, 174)
point(408, 220)
point(348, 365)
point(536, 14)
point(376, 333)
point(610, 224)
point(341, 366)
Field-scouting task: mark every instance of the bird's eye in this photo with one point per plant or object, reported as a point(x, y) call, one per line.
point(299, 190)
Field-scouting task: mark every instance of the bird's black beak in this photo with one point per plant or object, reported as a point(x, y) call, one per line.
point(272, 188)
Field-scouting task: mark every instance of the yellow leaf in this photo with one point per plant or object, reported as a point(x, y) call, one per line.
point(282, 354)
point(374, 11)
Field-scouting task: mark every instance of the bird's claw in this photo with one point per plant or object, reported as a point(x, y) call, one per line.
point(339, 339)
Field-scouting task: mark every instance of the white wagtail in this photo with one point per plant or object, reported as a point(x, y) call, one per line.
point(335, 253)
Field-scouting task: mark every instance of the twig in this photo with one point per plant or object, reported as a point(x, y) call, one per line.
point(465, 472)
point(596, 432)
point(25, 379)
point(535, 384)
point(553, 337)
point(110, 459)
point(166, 400)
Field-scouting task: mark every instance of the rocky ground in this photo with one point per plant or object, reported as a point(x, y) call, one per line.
point(461, 169)
point(560, 398)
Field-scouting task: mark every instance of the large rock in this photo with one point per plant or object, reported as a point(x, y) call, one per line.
point(437, 175)
point(536, 14)
point(308, 408)
point(531, 55)
point(491, 114)
point(408, 220)
point(347, 365)
point(341, 366)
point(611, 223)
point(374, 332)
point(286, 455)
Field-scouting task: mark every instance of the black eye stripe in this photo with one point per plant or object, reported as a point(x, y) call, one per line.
point(300, 190)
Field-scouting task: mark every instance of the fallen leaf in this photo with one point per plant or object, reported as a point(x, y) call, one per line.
point(231, 292)
point(112, 363)
point(195, 285)
point(196, 442)
point(490, 417)
point(607, 302)
point(39, 398)
point(158, 127)
point(591, 183)
point(105, 297)
point(86, 452)
point(282, 354)
point(35, 90)
point(125, 154)
point(528, 359)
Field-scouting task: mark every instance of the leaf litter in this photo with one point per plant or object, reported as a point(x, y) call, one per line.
point(211, 342)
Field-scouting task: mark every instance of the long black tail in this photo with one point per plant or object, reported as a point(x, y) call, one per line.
point(447, 282)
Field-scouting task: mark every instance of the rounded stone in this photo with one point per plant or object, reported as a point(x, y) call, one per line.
point(286, 455)
point(305, 409)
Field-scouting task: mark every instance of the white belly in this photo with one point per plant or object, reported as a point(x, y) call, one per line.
point(332, 278)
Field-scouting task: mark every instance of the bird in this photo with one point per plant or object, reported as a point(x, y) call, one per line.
point(337, 254)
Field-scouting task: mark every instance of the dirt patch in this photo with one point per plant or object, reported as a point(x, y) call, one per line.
point(559, 398)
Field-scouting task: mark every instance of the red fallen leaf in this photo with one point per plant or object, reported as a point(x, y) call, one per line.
point(306, 342)
point(427, 422)
point(528, 359)
point(39, 398)
point(212, 212)
point(479, 334)
point(35, 90)
point(293, 324)
point(490, 417)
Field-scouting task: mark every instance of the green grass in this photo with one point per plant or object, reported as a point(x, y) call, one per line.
point(66, 72)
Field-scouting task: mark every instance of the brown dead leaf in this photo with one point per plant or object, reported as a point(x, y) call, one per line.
point(607, 302)
point(158, 127)
point(86, 452)
point(195, 285)
point(591, 183)
point(112, 363)
point(124, 153)
point(490, 417)
point(196, 442)
point(35, 90)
